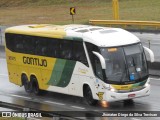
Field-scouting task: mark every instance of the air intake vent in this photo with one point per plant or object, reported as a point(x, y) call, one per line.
point(82, 31)
point(107, 31)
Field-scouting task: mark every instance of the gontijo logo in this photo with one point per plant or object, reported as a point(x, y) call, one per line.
point(34, 61)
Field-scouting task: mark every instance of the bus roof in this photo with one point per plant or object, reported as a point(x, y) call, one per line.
point(100, 36)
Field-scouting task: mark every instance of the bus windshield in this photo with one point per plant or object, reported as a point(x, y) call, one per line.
point(125, 64)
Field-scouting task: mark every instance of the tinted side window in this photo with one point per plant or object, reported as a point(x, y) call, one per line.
point(41, 46)
point(97, 67)
point(94, 60)
point(10, 41)
point(90, 48)
point(20, 43)
point(66, 49)
point(28, 43)
point(49, 47)
point(79, 53)
point(53, 48)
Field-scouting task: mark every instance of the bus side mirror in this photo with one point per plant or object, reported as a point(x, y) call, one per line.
point(102, 60)
point(151, 54)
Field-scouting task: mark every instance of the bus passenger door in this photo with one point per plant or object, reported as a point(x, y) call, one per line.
point(79, 77)
point(99, 77)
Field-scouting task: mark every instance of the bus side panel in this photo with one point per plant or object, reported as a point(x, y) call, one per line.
point(61, 75)
point(81, 74)
point(84, 75)
point(12, 70)
point(12, 66)
point(47, 72)
point(62, 72)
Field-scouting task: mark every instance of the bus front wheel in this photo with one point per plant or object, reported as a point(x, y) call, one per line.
point(129, 102)
point(88, 96)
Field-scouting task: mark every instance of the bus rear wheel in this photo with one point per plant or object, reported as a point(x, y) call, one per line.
point(26, 83)
point(88, 96)
point(35, 86)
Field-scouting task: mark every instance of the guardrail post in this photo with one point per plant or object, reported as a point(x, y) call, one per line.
point(149, 43)
point(115, 4)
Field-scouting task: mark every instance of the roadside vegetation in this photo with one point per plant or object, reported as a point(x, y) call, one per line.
point(16, 12)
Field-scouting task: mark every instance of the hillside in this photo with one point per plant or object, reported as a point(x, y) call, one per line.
point(20, 3)
point(14, 12)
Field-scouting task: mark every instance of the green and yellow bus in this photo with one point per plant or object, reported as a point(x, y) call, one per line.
point(97, 63)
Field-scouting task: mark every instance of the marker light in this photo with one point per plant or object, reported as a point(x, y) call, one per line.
point(112, 49)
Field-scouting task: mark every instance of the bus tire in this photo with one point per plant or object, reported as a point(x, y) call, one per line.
point(88, 95)
point(35, 86)
point(128, 102)
point(26, 83)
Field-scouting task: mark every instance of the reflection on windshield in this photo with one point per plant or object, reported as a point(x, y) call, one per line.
point(135, 61)
point(115, 63)
point(125, 63)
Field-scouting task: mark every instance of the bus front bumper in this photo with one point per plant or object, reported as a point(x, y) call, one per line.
point(115, 96)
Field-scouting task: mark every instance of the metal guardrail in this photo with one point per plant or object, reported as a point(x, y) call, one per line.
point(126, 23)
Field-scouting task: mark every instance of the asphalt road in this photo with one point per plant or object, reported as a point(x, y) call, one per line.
point(59, 102)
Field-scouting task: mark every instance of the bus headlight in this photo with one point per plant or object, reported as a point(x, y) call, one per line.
point(112, 90)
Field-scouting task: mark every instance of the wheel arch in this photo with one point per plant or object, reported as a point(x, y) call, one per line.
point(33, 80)
point(85, 85)
point(89, 96)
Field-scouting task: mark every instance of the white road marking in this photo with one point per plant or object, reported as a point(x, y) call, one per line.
point(78, 107)
point(135, 119)
point(3, 59)
point(55, 103)
point(21, 96)
point(96, 110)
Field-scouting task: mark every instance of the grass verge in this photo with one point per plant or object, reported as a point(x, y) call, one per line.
point(16, 12)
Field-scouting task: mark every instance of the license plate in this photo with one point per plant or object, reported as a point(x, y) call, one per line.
point(131, 95)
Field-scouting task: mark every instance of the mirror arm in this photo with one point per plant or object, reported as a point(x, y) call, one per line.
point(150, 53)
point(102, 60)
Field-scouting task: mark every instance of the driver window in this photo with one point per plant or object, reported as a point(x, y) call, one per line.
point(98, 68)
